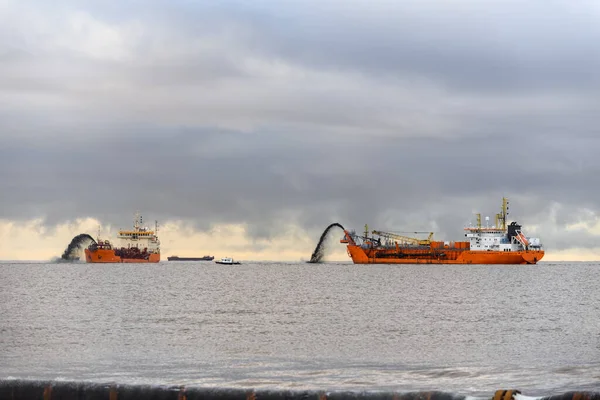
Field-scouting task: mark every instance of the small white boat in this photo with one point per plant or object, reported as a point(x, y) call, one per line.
point(228, 261)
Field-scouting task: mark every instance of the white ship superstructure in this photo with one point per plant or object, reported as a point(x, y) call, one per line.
point(140, 237)
point(500, 237)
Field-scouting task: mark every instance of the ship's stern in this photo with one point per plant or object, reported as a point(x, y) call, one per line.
point(532, 257)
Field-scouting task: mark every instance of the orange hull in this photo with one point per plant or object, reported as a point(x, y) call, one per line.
point(441, 256)
point(108, 256)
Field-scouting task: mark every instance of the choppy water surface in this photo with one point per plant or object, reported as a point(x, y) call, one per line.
point(465, 329)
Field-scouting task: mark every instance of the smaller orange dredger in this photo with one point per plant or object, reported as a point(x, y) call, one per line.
point(497, 244)
point(138, 245)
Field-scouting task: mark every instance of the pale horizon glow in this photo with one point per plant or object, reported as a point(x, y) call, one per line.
point(33, 241)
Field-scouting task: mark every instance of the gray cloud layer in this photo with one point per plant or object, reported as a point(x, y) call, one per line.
point(400, 115)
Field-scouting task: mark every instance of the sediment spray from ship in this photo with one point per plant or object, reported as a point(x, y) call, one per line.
point(78, 242)
point(319, 253)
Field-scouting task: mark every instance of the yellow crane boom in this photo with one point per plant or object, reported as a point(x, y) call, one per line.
point(405, 239)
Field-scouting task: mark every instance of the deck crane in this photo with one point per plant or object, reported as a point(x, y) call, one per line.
point(406, 239)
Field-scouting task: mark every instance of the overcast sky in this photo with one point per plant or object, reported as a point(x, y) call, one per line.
point(283, 117)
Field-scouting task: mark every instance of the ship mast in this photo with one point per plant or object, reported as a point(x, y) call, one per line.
point(136, 221)
point(501, 217)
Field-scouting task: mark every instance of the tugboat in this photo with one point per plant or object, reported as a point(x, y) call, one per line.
point(142, 244)
point(228, 261)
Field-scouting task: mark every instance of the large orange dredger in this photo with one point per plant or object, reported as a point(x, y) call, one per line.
point(138, 245)
point(498, 244)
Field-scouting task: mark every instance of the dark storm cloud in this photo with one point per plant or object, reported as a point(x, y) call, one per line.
point(410, 115)
point(468, 45)
point(201, 177)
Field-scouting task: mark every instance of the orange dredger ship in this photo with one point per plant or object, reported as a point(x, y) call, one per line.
point(139, 245)
point(498, 244)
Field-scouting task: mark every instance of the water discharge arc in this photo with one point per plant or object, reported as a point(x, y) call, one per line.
point(77, 243)
point(319, 253)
